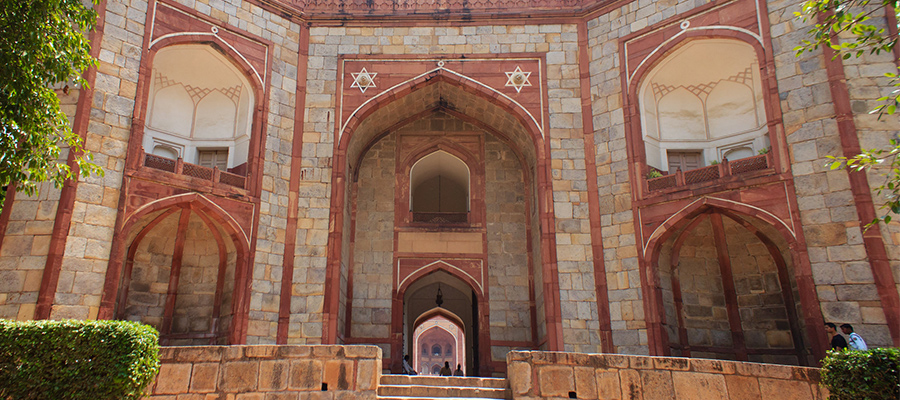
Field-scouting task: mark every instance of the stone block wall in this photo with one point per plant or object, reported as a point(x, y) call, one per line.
point(508, 264)
point(543, 375)
point(840, 263)
point(373, 245)
point(267, 372)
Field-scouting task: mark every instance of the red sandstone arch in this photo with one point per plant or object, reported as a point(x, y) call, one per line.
point(688, 215)
point(542, 185)
point(210, 212)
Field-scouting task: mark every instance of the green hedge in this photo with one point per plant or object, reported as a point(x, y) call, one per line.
point(872, 374)
point(92, 360)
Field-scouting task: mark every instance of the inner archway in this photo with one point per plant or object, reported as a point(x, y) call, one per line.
point(441, 336)
point(425, 319)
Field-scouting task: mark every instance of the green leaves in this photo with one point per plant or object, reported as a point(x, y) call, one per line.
point(871, 374)
point(75, 360)
point(42, 44)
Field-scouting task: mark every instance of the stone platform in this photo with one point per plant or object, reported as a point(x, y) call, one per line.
point(355, 372)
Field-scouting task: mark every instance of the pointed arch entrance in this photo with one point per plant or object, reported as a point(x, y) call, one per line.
point(439, 334)
point(727, 283)
point(501, 244)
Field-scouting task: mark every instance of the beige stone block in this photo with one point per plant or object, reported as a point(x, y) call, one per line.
point(608, 384)
point(585, 383)
point(367, 374)
point(657, 385)
point(239, 376)
point(273, 375)
point(694, 385)
point(172, 379)
point(339, 374)
point(556, 381)
point(742, 387)
point(519, 375)
point(26, 312)
point(630, 382)
point(306, 375)
point(784, 389)
point(203, 377)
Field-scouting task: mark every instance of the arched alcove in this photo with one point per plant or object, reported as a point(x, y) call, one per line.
point(700, 100)
point(201, 106)
point(439, 183)
point(728, 291)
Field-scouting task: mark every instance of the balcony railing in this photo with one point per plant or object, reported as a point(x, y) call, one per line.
point(179, 167)
point(710, 173)
point(440, 217)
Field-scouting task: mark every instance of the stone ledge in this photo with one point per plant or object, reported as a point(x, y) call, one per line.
point(538, 375)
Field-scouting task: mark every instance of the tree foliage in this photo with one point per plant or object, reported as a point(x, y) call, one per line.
point(42, 45)
point(851, 28)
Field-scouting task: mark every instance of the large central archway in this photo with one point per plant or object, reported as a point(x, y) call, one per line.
point(378, 240)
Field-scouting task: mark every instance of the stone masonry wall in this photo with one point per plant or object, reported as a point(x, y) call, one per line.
point(840, 268)
point(510, 318)
point(543, 375)
point(620, 245)
point(270, 372)
point(373, 246)
point(26, 242)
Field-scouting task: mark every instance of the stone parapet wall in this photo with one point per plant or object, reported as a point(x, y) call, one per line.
point(270, 372)
point(538, 375)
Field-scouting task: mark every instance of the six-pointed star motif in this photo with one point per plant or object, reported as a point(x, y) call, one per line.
point(363, 80)
point(518, 79)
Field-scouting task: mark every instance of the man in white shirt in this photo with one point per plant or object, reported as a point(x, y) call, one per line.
point(855, 341)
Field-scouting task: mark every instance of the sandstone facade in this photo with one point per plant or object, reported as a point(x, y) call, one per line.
point(636, 177)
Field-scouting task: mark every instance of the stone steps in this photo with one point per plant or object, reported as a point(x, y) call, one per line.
point(403, 387)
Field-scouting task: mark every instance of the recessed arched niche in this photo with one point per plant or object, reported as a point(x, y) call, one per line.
point(199, 108)
point(702, 103)
point(439, 185)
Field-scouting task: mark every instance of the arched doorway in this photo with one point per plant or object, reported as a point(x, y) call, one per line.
point(441, 337)
point(458, 311)
point(728, 290)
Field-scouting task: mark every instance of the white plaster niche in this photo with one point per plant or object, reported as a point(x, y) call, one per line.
point(199, 108)
point(701, 104)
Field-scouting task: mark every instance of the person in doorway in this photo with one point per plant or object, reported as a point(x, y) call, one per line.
point(459, 371)
point(407, 369)
point(855, 341)
point(446, 370)
point(837, 341)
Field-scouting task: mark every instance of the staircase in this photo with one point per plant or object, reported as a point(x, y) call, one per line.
point(403, 387)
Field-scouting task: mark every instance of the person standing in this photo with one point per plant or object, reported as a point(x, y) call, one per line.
point(446, 370)
point(855, 341)
point(837, 341)
point(459, 371)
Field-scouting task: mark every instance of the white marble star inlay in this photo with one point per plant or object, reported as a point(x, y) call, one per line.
point(518, 79)
point(363, 80)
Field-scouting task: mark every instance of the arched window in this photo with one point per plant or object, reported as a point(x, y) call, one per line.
point(702, 103)
point(449, 348)
point(424, 349)
point(436, 350)
point(439, 189)
point(200, 108)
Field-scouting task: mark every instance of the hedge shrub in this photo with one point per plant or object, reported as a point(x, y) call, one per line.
point(91, 360)
point(871, 374)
